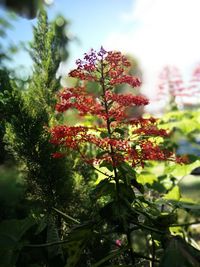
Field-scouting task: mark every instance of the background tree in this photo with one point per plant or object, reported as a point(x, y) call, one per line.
point(27, 115)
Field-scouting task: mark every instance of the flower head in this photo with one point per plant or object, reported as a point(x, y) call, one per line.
point(113, 144)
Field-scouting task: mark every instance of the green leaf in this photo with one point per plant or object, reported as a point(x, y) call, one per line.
point(107, 165)
point(117, 213)
point(104, 135)
point(100, 154)
point(165, 220)
point(12, 231)
point(125, 168)
point(137, 185)
point(53, 236)
point(180, 254)
point(147, 178)
point(110, 256)
point(104, 187)
point(189, 206)
point(179, 171)
point(173, 194)
point(11, 234)
point(120, 131)
point(78, 239)
point(126, 192)
point(41, 225)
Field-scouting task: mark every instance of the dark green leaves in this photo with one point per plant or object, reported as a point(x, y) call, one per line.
point(77, 240)
point(178, 253)
point(103, 188)
point(117, 213)
point(12, 240)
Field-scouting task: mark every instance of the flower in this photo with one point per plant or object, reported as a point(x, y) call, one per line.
point(118, 242)
point(151, 130)
point(112, 144)
point(133, 81)
point(126, 100)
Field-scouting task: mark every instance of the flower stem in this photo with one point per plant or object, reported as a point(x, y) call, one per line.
point(112, 152)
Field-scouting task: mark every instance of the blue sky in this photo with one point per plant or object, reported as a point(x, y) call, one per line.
point(156, 32)
point(90, 22)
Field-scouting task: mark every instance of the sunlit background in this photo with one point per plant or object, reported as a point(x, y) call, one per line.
point(157, 33)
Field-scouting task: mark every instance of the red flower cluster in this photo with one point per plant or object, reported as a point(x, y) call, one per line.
point(116, 59)
point(151, 130)
point(115, 146)
point(133, 81)
point(79, 99)
point(126, 100)
point(68, 136)
point(150, 151)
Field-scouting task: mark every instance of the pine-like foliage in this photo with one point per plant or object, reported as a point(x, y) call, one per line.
point(28, 115)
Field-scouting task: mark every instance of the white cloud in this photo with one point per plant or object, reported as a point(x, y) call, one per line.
point(167, 32)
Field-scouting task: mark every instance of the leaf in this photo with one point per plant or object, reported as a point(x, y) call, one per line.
point(78, 239)
point(137, 185)
point(188, 125)
point(117, 213)
point(12, 231)
point(53, 236)
point(173, 194)
point(41, 225)
point(191, 207)
point(165, 220)
point(181, 204)
point(100, 154)
point(120, 131)
point(180, 254)
point(104, 135)
point(112, 255)
point(125, 168)
point(147, 178)
point(11, 234)
point(126, 192)
point(107, 165)
point(179, 171)
point(104, 187)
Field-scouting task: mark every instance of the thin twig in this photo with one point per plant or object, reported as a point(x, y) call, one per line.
point(47, 244)
point(185, 224)
point(149, 228)
point(66, 216)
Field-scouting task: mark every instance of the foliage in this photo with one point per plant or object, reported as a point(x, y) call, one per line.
point(103, 192)
point(26, 116)
point(127, 204)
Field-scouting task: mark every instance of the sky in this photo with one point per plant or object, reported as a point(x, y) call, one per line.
point(155, 32)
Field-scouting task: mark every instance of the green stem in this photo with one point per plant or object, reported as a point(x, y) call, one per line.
point(47, 244)
point(185, 224)
point(112, 152)
point(66, 216)
point(149, 228)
